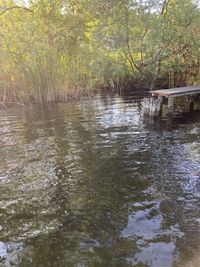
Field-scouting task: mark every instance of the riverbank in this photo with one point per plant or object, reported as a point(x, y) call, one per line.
point(59, 50)
point(14, 94)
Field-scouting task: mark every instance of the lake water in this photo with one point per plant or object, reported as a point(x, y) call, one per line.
point(90, 183)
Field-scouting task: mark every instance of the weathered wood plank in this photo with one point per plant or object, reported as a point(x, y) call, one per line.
point(189, 90)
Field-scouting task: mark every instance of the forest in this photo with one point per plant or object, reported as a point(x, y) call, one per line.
point(62, 49)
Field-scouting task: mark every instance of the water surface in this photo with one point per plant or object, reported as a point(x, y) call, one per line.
point(91, 184)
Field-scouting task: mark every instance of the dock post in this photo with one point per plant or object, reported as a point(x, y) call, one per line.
point(191, 102)
point(197, 104)
point(161, 100)
point(146, 106)
point(170, 106)
point(152, 106)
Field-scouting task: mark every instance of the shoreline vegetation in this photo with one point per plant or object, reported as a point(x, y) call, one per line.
point(60, 50)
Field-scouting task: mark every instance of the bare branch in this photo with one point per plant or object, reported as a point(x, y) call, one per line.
point(5, 9)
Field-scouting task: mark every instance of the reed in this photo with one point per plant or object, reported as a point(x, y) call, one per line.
point(40, 87)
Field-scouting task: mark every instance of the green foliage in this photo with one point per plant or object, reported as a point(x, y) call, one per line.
point(51, 50)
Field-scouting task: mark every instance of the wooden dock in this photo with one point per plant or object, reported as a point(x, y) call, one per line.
point(181, 91)
point(153, 106)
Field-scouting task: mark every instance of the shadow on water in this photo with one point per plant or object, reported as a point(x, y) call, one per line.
point(90, 184)
point(176, 122)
